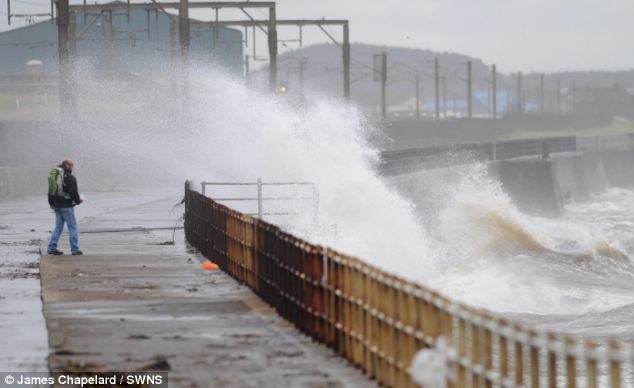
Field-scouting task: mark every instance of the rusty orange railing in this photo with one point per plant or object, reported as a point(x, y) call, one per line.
point(379, 321)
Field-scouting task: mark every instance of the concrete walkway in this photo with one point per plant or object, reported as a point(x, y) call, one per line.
point(135, 302)
point(23, 338)
point(26, 223)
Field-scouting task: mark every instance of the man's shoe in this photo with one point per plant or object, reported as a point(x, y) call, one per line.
point(77, 253)
point(55, 252)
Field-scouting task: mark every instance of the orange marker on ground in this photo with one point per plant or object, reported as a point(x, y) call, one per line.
point(209, 266)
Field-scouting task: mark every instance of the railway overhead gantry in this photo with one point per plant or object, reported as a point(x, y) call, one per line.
point(344, 45)
point(67, 36)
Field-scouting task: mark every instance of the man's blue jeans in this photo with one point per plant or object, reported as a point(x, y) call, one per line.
point(65, 215)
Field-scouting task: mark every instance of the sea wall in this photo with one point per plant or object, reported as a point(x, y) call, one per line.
point(16, 181)
point(414, 134)
point(531, 184)
point(25, 158)
point(29, 150)
point(619, 167)
point(538, 186)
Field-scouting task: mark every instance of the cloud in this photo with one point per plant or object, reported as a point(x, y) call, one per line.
point(516, 34)
point(541, 35)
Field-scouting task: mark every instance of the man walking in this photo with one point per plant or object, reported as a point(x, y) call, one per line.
point(62, 197)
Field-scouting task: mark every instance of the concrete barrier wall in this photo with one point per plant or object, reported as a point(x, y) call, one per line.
point(528, 182)
point(578, 176)
point(23, 181)
point(411, 133)
point(16, 182)
point(97, 166)
point(536, 186)
point(531, 185)
point(619, 167)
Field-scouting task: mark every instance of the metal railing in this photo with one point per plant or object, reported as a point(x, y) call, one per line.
point(409, 160)
point(260, 198)
point(597, 143)
point(379, 321)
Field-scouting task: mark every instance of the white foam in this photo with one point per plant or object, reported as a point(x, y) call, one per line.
point(459, 242)
point(222, 131)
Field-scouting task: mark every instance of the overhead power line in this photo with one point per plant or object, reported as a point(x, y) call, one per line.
point(31, 3)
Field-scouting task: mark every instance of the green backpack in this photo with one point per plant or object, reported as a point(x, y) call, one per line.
point(56, 182)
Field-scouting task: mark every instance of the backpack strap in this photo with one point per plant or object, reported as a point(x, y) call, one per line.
point(60, 182)
point(56, 182)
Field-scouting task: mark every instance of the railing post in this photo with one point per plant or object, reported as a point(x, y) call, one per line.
point(545, 150)
point(571, 363)
point(476, 345)
point(615, 365)
point(534, 358)
point(462, 351)
point(503, 352)
point(488, 353)
point(315, 203)
point(202, 188)
point(552, 361)
point(260, 198)
point(591, 364)
point(519, 356)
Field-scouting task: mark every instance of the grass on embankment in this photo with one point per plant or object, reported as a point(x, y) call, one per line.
point(28, 107)
point(619, 126)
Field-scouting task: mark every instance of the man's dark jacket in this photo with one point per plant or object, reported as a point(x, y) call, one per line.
point(71, 194)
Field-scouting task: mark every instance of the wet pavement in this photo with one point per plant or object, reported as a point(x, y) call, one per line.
point(24, 224)
point(139, 300)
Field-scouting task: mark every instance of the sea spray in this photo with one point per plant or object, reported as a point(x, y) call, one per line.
point(219, 130)
point(465, 238)
point(501, 259)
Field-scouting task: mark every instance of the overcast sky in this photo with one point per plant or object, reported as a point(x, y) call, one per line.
point(539, 35)
point(543, 35)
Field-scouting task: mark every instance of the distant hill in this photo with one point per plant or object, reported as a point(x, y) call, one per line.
point(323, 74)
point(323, 70)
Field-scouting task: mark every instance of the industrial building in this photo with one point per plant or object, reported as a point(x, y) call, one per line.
point(122, 41)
